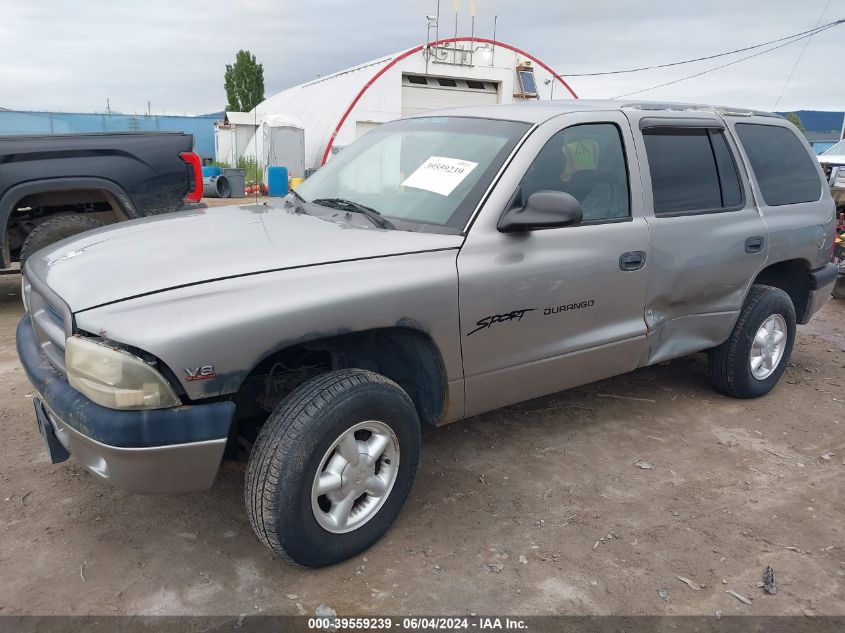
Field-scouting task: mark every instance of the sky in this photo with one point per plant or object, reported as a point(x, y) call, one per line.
point(74, 55)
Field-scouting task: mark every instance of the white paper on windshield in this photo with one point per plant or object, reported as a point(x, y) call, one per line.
point(440, 174)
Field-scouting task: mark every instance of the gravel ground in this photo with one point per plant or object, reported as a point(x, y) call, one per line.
point(547, 507)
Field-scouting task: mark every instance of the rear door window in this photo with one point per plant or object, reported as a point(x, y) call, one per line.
point(692, 171)
point(783, 168)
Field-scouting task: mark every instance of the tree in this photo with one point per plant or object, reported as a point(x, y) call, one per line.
point(244, 83)
point(796, 121)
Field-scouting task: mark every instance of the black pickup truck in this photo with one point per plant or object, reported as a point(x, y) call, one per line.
point(54, 186)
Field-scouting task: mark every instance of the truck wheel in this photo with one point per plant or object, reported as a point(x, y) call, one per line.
point(55, 229)
point(332, 467)
point(750, 363)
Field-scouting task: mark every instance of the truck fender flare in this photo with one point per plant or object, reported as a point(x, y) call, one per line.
point(21, 190)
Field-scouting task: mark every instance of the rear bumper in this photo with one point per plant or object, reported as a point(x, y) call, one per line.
point(822, 281)
point(161, 450)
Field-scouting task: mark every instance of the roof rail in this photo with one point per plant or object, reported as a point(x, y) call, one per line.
point(694, 107)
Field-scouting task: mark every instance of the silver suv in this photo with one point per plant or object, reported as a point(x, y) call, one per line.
point(440, 267)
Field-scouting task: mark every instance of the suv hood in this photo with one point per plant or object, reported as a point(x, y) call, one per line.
point(158, 253)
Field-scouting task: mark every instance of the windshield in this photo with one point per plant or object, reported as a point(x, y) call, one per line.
point(839, 148)
point(426, 171)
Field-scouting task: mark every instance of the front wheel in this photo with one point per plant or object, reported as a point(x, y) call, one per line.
point(332, 467)
point(750, 363)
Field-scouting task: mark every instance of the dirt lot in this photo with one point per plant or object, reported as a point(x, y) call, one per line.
point(537, 509)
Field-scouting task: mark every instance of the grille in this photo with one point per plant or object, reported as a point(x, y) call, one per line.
point(50, 321)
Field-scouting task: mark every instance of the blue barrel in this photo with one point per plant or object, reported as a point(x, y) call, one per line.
point(277, 181)
point(211, 170)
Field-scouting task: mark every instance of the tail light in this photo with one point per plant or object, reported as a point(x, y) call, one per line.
point(194, 176)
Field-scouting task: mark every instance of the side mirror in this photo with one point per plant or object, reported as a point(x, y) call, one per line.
point(542, 210)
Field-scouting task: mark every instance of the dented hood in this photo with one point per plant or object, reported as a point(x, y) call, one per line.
point(158, 253)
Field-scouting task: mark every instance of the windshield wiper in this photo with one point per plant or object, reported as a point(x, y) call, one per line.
point(299, 204)
point(355, 207)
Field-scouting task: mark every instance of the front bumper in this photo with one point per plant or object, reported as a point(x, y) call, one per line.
point(160, 450)
point(822, 281)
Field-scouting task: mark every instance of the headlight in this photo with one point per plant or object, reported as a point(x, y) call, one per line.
point(115, 378)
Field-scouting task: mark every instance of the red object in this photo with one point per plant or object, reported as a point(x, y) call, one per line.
point(193, 161)
point(417, 49)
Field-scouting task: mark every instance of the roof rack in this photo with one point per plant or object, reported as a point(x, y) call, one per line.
point(723, 110)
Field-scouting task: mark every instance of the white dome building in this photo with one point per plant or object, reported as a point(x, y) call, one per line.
point(336, 109)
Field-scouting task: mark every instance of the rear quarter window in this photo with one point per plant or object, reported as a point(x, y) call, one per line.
point(784, 170)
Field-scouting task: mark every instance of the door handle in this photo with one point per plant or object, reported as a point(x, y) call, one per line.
point(633, 260)
point(754, 244)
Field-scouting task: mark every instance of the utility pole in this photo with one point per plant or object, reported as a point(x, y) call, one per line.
point(108, 106)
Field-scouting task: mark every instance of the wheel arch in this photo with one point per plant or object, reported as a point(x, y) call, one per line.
point(793, 277)
point(405, 354)
point(122, 203)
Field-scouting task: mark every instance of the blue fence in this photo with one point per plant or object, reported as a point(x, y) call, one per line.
point(202, 127)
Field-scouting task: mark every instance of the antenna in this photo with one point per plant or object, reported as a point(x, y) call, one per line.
point(456, 5)
point(493, 53)
point(432, 21)
point(472, 7)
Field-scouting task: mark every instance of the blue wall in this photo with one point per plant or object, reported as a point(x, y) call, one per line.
point(202, 127)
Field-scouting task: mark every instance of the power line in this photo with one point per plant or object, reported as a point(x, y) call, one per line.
point(731, 63)
point(800, 55)
point(807, 33)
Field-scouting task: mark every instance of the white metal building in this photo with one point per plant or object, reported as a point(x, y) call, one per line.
point(336, 109)
point(232, 136)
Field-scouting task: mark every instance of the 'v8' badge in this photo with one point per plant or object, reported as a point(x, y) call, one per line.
point(206, 372)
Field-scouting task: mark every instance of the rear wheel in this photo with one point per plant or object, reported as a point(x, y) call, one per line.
point(750, 363)
point(55, 229)
point(332, 467)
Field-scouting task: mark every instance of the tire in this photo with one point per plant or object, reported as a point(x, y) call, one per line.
point(730, 364)
point(839, 288)
point(192, 206)
point(296, 444)
point(55, 229)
